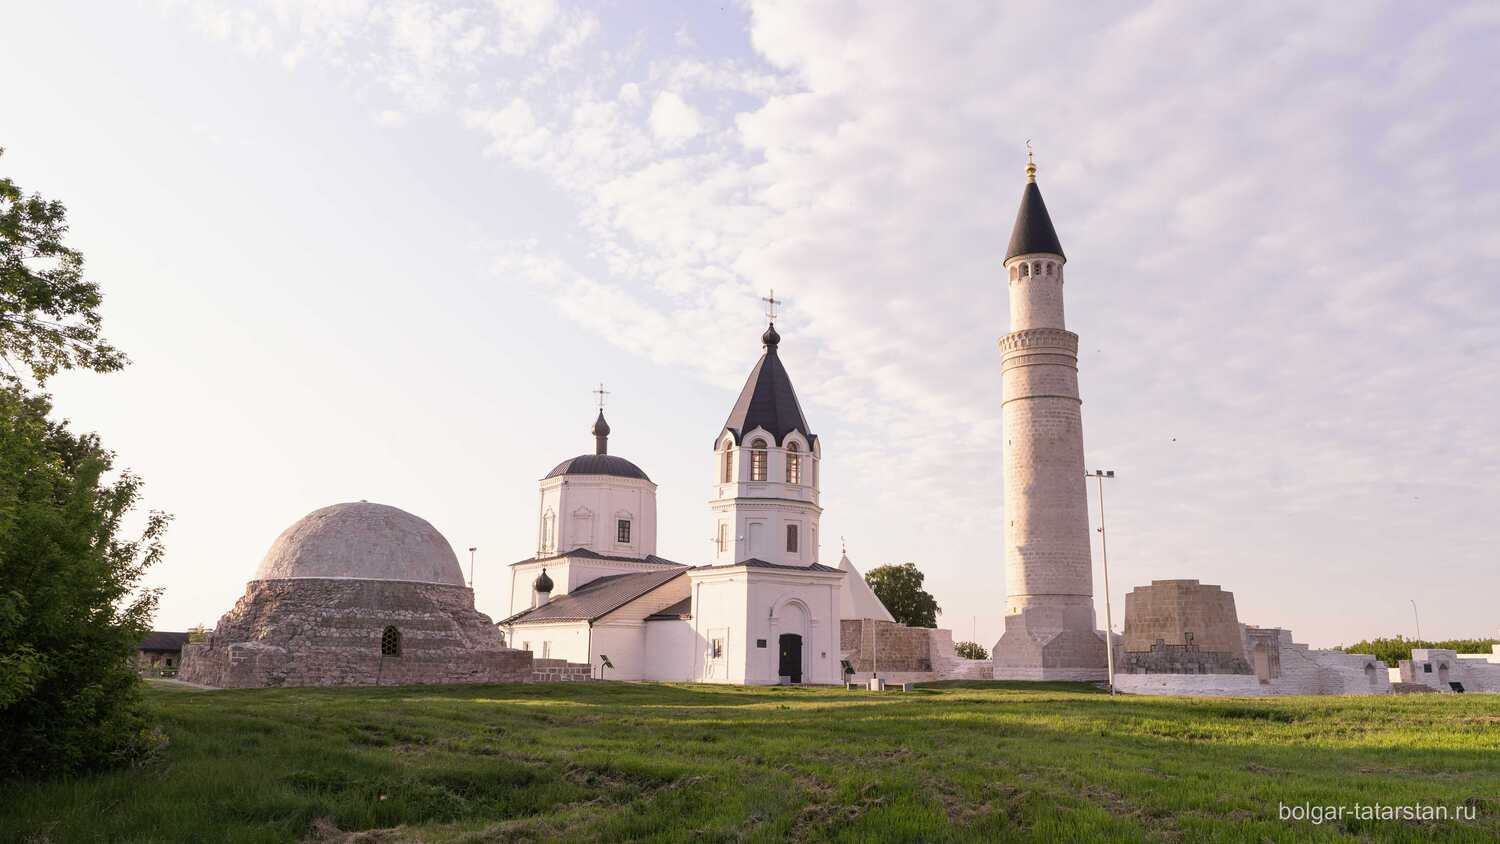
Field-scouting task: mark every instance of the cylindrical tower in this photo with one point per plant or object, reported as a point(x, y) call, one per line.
point(1048, 572)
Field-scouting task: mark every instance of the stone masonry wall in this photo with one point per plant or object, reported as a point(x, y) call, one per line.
point(560, 671)
point(328, 632)
point(1180, 613)
point(885, 646)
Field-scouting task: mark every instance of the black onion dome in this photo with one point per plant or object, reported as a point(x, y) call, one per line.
point(601, 428)
point(1033, 232)
point(543, 583)
point(770, 338)
point(598, 464)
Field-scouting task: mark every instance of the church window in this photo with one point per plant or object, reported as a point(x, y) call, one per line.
point(622, 531)
point(723, 537)
point(791, 539)
point(728, 463)
point(815, 472)
point(390, 642)
point(546, 650)
point(793, 464)
point(1025, 270)
point(716, 649)
point(758, 460)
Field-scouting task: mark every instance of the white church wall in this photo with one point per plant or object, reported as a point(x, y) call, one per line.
point(752, 517)
point(625, 645)
point(583, 511)
point(778, 604)
point(671, 646)
point(719, 625)
point(563, 640)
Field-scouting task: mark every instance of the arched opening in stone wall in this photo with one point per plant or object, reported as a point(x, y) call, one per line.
point(1370, 674)
point(1443, 673)
point(1262, 659)
point(390, 642)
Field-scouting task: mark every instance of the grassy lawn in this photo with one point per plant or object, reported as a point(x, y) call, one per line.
point(706, 763)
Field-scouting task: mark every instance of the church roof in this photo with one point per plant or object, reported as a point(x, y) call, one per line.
point(586, 554)
point(857, 599)
point(596, 598)
point(757, 563)
point(681, 609)
point(768, 400)
point(598, 464)
point(1033, 231)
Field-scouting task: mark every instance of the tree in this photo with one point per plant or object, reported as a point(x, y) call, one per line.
point(49, 317)
point(1392, 650)
point(970, 650)
point(899, 587)
point(71, 611)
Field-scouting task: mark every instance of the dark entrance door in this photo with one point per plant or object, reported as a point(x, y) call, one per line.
point(791, 657)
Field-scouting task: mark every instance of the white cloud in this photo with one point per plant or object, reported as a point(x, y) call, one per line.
point(522, 23)
point(673, 120)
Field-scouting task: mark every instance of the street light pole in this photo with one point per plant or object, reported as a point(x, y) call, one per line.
point(1418, 618)
point(472, 549)
point(1109, 622)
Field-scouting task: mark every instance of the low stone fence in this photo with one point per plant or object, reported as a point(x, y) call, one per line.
point(559, 671)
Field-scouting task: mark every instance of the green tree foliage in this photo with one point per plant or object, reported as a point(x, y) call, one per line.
point(49, 317)
point(971, 650)
point(899, 587)
point(1396, 648)
point(71, 612)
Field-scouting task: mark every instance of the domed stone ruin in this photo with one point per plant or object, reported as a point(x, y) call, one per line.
point(355, 594)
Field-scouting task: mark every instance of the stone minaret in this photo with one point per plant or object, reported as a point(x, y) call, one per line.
point(1049, 608)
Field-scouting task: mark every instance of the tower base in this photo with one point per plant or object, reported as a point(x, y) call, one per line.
point(1038, 646)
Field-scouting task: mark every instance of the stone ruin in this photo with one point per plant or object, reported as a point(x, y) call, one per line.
point(359, 594)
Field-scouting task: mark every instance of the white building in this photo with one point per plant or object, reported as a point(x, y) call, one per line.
point(763, 611)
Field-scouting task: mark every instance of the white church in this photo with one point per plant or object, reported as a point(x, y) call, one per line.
point(764, 611)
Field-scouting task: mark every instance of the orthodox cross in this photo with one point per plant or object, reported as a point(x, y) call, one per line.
point(771, 303)
point(600, 393)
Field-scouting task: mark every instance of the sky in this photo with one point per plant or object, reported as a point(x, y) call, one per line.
point(384, 250)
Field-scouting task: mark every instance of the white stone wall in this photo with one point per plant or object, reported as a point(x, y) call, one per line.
point(581, 511)
point(748, 606)
point(564, 640)
point(1477, 672)
point(672, 647)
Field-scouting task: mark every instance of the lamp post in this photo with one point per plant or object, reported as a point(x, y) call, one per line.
point(1416, 618)
point(1109, 622)
point(472, 549)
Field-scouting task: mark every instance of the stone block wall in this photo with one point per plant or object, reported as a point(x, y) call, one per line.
point(1181, 613)
point(329, 632)
point(885, 646)
point(560, 671)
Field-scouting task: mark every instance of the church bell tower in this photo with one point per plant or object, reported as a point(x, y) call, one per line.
point(765, 494)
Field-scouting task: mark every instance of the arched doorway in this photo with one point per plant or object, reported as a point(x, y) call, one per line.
point(1443, 673)
point(1262, 659)
point(791, 657)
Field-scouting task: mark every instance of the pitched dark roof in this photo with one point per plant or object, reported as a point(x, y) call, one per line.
point(757, 563)
point(768, 399)
point(595, 555)
point(681, 609)
point(160, 640)
point(1033, 231)
point(598, 464)
point(596, 598)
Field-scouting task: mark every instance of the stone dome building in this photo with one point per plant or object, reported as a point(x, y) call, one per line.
point(355, 594)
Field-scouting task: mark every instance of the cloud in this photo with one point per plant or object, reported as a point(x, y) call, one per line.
point(672, 120)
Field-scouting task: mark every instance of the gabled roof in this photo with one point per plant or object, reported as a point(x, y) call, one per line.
point(597, 598)
point(768, 400)
point(586, 554)
point(857, 599)
point(757, 563)
point(160, 640)
point(681, 609)
point(1033, 231)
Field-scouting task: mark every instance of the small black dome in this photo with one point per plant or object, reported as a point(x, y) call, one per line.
point(599, 464)
point(543, 583)
point(770, 338)
point(601, 428)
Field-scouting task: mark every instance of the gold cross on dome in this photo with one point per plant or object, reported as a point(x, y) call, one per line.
point(600, 393)
point(771, 303)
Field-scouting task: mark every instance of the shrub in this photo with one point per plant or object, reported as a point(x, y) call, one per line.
point(970, 650)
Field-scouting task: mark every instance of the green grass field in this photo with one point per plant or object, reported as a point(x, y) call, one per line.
point(706, 763)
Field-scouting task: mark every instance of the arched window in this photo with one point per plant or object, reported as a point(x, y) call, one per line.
point(793, 464)
point(390, 642)
point(791, 539)
point(728, 463)
point(1025, 270)
point(757, 459)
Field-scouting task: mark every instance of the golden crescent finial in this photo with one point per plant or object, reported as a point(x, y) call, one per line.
point(1030, 163)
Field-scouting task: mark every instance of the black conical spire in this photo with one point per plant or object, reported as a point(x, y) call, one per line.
point(768, 399)
point(1033, 231)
